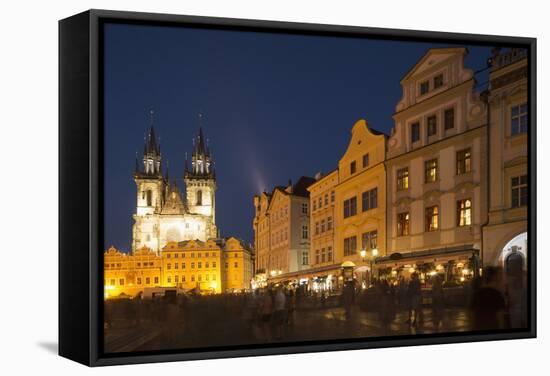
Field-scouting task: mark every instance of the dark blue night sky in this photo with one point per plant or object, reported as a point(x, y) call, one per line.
point(275, 106)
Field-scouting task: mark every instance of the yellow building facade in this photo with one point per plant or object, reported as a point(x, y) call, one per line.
point(505, 242)
point(360, 206)
point(210, 267)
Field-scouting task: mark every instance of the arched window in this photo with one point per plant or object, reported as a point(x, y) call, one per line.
point(149, 197)
point(199, 197)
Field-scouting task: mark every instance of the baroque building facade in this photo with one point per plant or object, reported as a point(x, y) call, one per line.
point(163, 214)
point(436, 168)
point(213, 266)
point(281, 228)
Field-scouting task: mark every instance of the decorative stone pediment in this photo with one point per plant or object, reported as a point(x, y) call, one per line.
point(403, 202)
point(464, 187)
point(432, 195)
point(518, 161)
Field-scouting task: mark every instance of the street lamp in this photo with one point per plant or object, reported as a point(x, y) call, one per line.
point(372, 259)
point(363, 254)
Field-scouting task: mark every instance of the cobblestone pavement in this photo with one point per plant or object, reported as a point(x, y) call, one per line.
point(215, 327)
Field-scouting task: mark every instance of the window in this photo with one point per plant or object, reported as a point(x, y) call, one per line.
point(350, 246)
point(316, 228)
point(183, 265)
point(176, 265)
point(415, 132)
point(438, 81)
point(463, 161)
point(192, 265)
point(323, 227)
point(236, 264)
point(213, 264)
point(332, 196)
point(369, 240)
point(403, 224)
point(192, 278)
point(183, 278)
point(147, 280)
point(329, 223)
point(207, 264)
point(176, 279)
point(432, 218)
point(320, 202)
point(168, 266)
point(352, 167)
point(323, 255)
point(424, 87)
point(199, 197)
point(304, 208)
point(464, 212)
point(314, 205)
point(199, 264)
point(326, 199)
point(199, 277)
point(139, 281)
point(370, 199)
point(112, 282)
point(403, 179)
point(366, 160)
point(149, 197)
point(169, 279)
point(305, 232)
point(430, 171)
point(317, 256)
point(432, 125)
point(156, 280)
point(519, 191)
point(449, 116)
point(305, 258)
point(519, 119)
point(350, 207)
point(329, 254)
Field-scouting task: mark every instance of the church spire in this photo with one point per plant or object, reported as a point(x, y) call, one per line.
point(151, 150)
point(201, 161)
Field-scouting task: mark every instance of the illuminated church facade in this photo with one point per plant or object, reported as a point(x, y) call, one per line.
point(163, 214)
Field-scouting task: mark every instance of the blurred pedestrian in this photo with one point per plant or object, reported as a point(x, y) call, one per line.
point(488, 304)
point(414, 296)
point(266, 313)
point(438, 302)
point(279, 309)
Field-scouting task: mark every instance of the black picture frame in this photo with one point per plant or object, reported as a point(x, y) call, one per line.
point(80, 186)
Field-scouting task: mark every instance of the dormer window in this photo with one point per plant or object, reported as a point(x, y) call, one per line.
point(424, 87)
point(415, 132)
point(352, 168)
point(438, 81)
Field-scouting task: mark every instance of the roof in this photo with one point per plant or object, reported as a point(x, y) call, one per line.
point(430, 52)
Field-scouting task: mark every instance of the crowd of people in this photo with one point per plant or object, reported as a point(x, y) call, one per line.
point(279, 313)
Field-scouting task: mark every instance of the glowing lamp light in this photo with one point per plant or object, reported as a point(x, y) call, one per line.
point(375, 252)
point(461, 279)
point(465, 271)
point(432, 273)
point(411, 270)
point(394, 272)
point(363, 253)
point(439, 267)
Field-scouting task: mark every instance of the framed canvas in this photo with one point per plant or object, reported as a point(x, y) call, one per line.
point(239, 187)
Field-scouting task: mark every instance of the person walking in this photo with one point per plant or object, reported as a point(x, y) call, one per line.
point(266, 313)
point(415, 299)
point(438, 302)
point(279, 309)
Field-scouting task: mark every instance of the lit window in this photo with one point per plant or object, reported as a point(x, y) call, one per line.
point(317, 256)
point(519, 191)
point(402, 224)
point(329, 254)
point(464, 212)
point(463, 161)
point(519, 119)
point(402, 179)
point(305, 232)
point(323, 255)
point(329, 223)
point(305, 258)
point(449, 116)
point(430, 171)
point(369, 240)
point(432, 218)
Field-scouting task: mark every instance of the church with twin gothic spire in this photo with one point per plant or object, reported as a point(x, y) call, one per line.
point(165, 214)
